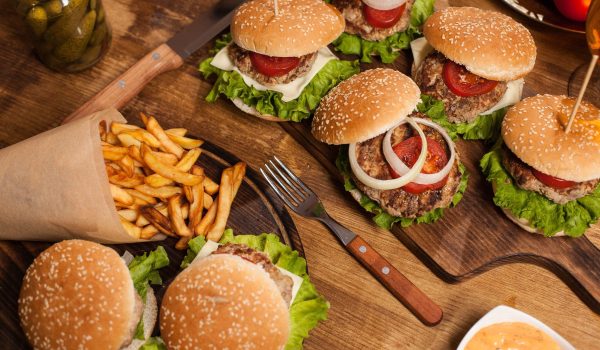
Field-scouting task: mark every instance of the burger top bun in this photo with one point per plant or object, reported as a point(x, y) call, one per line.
point(488, 43)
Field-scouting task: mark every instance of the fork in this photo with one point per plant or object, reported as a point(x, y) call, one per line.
point(304, 202)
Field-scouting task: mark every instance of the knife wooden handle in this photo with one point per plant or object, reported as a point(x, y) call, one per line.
point(412, 297)
point(130, 83)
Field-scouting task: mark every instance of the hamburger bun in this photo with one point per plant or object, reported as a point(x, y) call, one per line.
point(223, 301)
point(364, 106)
point(74, 294)
point(488, 43)
point(534, 130)
point(252, 111)
point(301, 26)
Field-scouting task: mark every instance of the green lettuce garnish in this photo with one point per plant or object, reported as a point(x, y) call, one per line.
point(484, 127)
point(308, 308)
point(144, 271)
point(382, 218)
point(573, 217)
point(154, 343)
point(270, 102)
point(389, 48)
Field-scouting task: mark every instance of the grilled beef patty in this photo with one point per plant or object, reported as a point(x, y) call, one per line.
point(283, 282)
point(398, 202)
point(357, 24)
point(241, 59)
point(428, 77)
point(524, 178)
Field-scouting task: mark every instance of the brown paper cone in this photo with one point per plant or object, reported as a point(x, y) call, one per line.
point(54, 186)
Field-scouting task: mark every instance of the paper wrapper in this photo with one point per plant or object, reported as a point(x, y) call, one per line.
point(54, 186)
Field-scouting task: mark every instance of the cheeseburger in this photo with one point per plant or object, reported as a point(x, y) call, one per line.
point(473, 61)
point(399, 164)
point(82, 295)
point(546, 180)
point(276, 64)
point(380, 27)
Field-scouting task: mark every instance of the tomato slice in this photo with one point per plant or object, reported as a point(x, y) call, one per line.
point(273, 66)
point(464, 83)
point(552, 181)
point(383, 18)
point(408, 151)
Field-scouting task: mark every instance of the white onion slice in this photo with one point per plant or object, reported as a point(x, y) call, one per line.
point(394, 183)
point(401, 168)
point(384, 4)
point(127, 257)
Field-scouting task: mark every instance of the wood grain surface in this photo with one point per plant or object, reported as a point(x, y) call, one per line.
point(363, 315)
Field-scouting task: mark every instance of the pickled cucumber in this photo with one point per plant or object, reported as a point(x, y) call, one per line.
point(53, 8)
point(64, 27)
point(72, 49)
point(100, 15)
point(23, 6)
point(37, 20)
point(93, 5)
point(99, 34)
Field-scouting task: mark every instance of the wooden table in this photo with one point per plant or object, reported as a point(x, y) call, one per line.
point(363, 314)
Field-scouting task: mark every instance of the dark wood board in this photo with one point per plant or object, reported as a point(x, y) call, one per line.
point(254, 211)
point(476, 236)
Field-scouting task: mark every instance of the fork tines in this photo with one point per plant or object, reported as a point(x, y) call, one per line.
point(285, 183)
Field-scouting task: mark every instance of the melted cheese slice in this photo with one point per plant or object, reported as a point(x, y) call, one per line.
point(291, 90)
point(514, 89)
point(211, 246)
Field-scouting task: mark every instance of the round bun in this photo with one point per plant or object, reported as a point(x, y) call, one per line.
point(252, 111)
point(364, 106)
point(74, 294)
point(224, 302)
point(534, 130)
point(301, 26)
point(488, 43)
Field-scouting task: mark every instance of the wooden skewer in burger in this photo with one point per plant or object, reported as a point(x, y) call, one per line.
point(399, 164)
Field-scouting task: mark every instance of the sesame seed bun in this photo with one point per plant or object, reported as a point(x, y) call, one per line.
point(224, 302)
point(301, 26)
point(74, 294)
point(488, 43)
point(364, 106)
point(534, 130)
point(252, 111)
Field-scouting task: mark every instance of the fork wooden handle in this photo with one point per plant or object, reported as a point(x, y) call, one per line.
point(404, 290)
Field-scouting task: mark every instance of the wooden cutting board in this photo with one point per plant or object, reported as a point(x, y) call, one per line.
point(476, 236)
point(254, 211)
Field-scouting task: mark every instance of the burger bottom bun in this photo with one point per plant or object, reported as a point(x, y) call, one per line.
point(523, 223)
point(252, 111)
point(149, 317)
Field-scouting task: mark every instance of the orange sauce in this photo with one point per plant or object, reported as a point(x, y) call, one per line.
point(593, 28)
point(511, 336)
point(585, 120)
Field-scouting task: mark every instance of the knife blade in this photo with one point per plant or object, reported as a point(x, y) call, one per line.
point(168, 56)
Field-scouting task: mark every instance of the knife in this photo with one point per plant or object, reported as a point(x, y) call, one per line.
point(168, 56)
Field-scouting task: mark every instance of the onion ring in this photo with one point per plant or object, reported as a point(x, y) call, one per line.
point(398, 165)
point(384, 4)
point(395, 183)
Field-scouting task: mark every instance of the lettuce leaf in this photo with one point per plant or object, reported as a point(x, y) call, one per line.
point(154, 343)
point(232, 86)
point(382, 218)
point(573, 217)
point(308, 308)
point(484, 127)
point(389, 48)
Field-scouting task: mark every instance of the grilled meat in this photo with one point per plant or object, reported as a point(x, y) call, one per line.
point(241, 59)
point(458, 109)
point(398, 202)
point(524, 178)
point(357, 24)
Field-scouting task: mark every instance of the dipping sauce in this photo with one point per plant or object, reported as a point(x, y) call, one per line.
point(511, 336)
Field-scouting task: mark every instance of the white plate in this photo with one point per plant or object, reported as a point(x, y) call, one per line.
point(504, 313)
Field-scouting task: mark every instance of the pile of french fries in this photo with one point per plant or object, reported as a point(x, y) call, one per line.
point(157, 186)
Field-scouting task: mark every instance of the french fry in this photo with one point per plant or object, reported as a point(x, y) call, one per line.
point(128, 140)
point(148, 232)
point(197, 200)
point(131, 229)
point(168, 171)
point(134, 152)
point(117, 128)
point(158, 220)
point(119, 195)
point(166, 158)
point(140, 195)
point(142, 221)
point(187, 191)
point(110, 171)
point(166, 144)
point(159, 192)
point(186, 142)
point(144, 118)
point(208, 201)
point(207, 220)
point(143, 136)
point(177, 221)
point(182, 244)
point(103, 130)
point(185, 164)
point(123, 180)
point(210, 186)
point(176, 131)
point(114, 153)
point(126, 163)
point(162, 208)
point(111, 138)
point(223, 206)
point(128, 214)
point(185, 210)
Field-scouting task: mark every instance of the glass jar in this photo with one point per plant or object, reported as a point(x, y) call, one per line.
point(68, 35)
